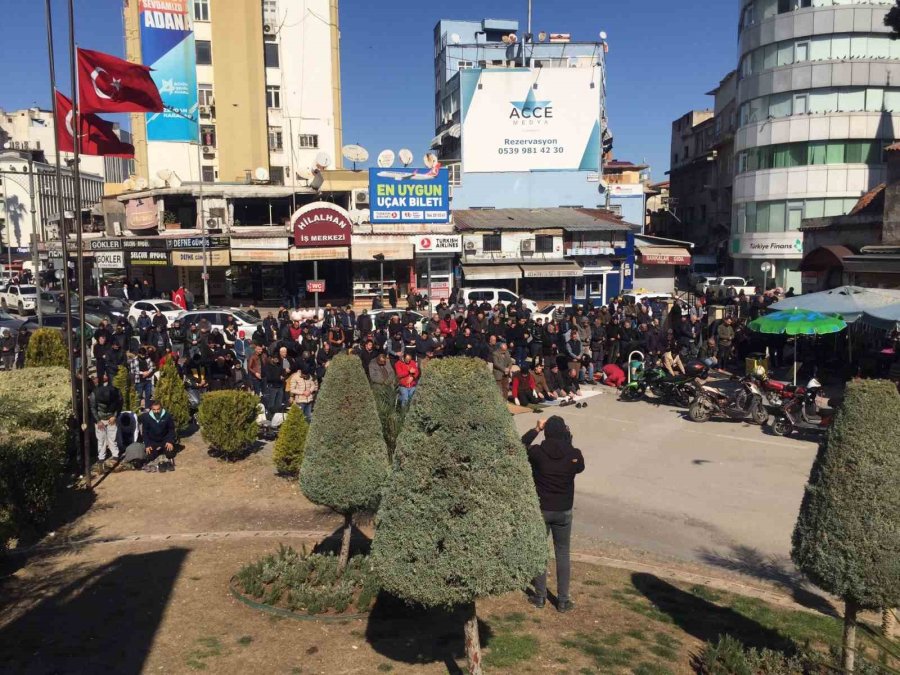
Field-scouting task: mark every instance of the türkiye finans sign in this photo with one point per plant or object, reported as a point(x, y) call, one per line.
point(321, 224)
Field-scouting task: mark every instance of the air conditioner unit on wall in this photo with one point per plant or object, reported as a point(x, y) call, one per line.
point(470, 245)
point(360, 199)
point(209, 150)
point(268, 29)
point(204, 111)
point(528, 246)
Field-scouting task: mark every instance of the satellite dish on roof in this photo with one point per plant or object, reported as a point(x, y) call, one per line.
point(505, 39)
point(386, 159)
point(305, 174)
point(455, 39)
point(141, 183)
point(323, 159)
point(355, 153)
point(513, 38)
point(542, 36)
point(603, 35)
point(129, 184)
point(406, 157)
point(261, 174)
point(164, 174)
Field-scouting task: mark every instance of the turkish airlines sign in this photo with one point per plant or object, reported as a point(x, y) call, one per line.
point(437, 243)
point(321, 224)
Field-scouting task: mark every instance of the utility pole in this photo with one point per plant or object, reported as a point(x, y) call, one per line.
point(202, 219)
point(36, 258)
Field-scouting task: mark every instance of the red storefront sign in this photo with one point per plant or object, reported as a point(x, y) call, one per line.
point(315, 286)
point(321, 224)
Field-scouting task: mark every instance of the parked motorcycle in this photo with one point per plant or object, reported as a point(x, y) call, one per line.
point(677, 390)
point(774, 392)
point(802, 414)
point(745, 405)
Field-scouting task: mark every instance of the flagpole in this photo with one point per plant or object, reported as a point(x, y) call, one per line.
point(61, 210)
point(76, 191)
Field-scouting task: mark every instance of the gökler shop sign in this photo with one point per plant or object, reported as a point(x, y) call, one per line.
point(398, 196)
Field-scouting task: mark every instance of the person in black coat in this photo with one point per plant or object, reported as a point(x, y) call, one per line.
point(554, 465)
point(158, 430)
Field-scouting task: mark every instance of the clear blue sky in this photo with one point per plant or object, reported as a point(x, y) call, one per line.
point(664, 56)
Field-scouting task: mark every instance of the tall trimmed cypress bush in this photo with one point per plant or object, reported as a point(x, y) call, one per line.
point(228, 421)
point(345, 463)
point(124, 382)
point(847, 536)
point(170, 392)
point(46, 348)
point(288, 451)
point(459, 518)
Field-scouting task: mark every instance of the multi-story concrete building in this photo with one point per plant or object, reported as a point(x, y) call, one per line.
point(626, 190)
point(691, 176)
point(818, 99)
point(252, 88)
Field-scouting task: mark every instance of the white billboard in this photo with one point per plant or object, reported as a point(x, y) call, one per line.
point(520, 119)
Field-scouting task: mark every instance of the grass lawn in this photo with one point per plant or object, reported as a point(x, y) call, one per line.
point(168, 610)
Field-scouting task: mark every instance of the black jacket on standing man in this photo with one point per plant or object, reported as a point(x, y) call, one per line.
point(554, 465)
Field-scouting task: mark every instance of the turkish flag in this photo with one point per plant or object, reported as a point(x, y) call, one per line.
point(109, 84)
point(96, 135)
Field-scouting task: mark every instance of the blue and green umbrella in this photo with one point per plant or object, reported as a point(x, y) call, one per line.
point(798, 322)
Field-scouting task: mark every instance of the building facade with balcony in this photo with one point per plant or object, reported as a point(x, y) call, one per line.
point(268, 92)
point(818, 99)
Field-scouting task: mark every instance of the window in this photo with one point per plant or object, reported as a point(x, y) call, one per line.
point(271, 54)
point(270, 12)
point(506, 296)
point(801, 104)
point(308, 141)
point(276, 139)
point(273, 96)
point(208, 135)
point(616, 209)
point(204, 53)
point(543, 243)
point(201, 10)
point(205, 94)
point(276, 175)
point(209, 174)
point(490, 242)
point(801, 52)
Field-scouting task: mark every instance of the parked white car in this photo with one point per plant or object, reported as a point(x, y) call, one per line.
point(216, 317)
point(21, 299)
point(492, 296)
point(719, 286)
point(550, 312)
point(168, 308)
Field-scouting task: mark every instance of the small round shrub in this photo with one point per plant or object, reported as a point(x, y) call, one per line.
point(46, 348)
point(288, 450)
point(228, 421)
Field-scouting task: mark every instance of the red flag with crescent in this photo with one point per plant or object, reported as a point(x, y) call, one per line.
point(96, 136)
point(107, 83)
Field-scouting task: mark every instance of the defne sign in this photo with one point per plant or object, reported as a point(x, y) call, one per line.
point(321, 224)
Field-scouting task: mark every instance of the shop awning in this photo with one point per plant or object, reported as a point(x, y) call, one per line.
point(320, 253)
point(553, 271)
point(392, 251)
point(664, 255)
point(488, 272)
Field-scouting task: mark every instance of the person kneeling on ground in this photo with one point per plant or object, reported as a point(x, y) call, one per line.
point(554, 465)
point(541, 387)
point(159, 438)
point(612, 376)
point(708, 353)
point(523, 388)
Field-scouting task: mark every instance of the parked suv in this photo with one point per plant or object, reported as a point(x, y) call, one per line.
point(492, 296)
point(216, 318)
point(21, 299)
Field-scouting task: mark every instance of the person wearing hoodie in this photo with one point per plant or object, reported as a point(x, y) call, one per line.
point(554, 464)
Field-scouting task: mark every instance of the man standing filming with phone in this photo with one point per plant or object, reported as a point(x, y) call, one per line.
point(554, 465)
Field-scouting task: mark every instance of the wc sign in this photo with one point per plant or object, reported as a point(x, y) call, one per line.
point(438, 243)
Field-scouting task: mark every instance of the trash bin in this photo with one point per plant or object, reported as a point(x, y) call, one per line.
point(753, 361)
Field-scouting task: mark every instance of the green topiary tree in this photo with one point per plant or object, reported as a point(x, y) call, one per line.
point(288, 450)
point(391, 414)
point(46, 348)
point(345, 463)
point(170, 392)
point(228, 421)
point(459, 518)
point(124, 382)
point(846, 538)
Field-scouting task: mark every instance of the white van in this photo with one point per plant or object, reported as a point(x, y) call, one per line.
point(492, 296)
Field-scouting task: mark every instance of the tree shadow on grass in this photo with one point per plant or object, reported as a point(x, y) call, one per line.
point(705, 620)
point(416, 635)
point(779, 570)
point(105, 616)
point(360, 543)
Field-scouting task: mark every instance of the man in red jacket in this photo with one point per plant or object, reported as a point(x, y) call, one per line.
point(408, 376)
